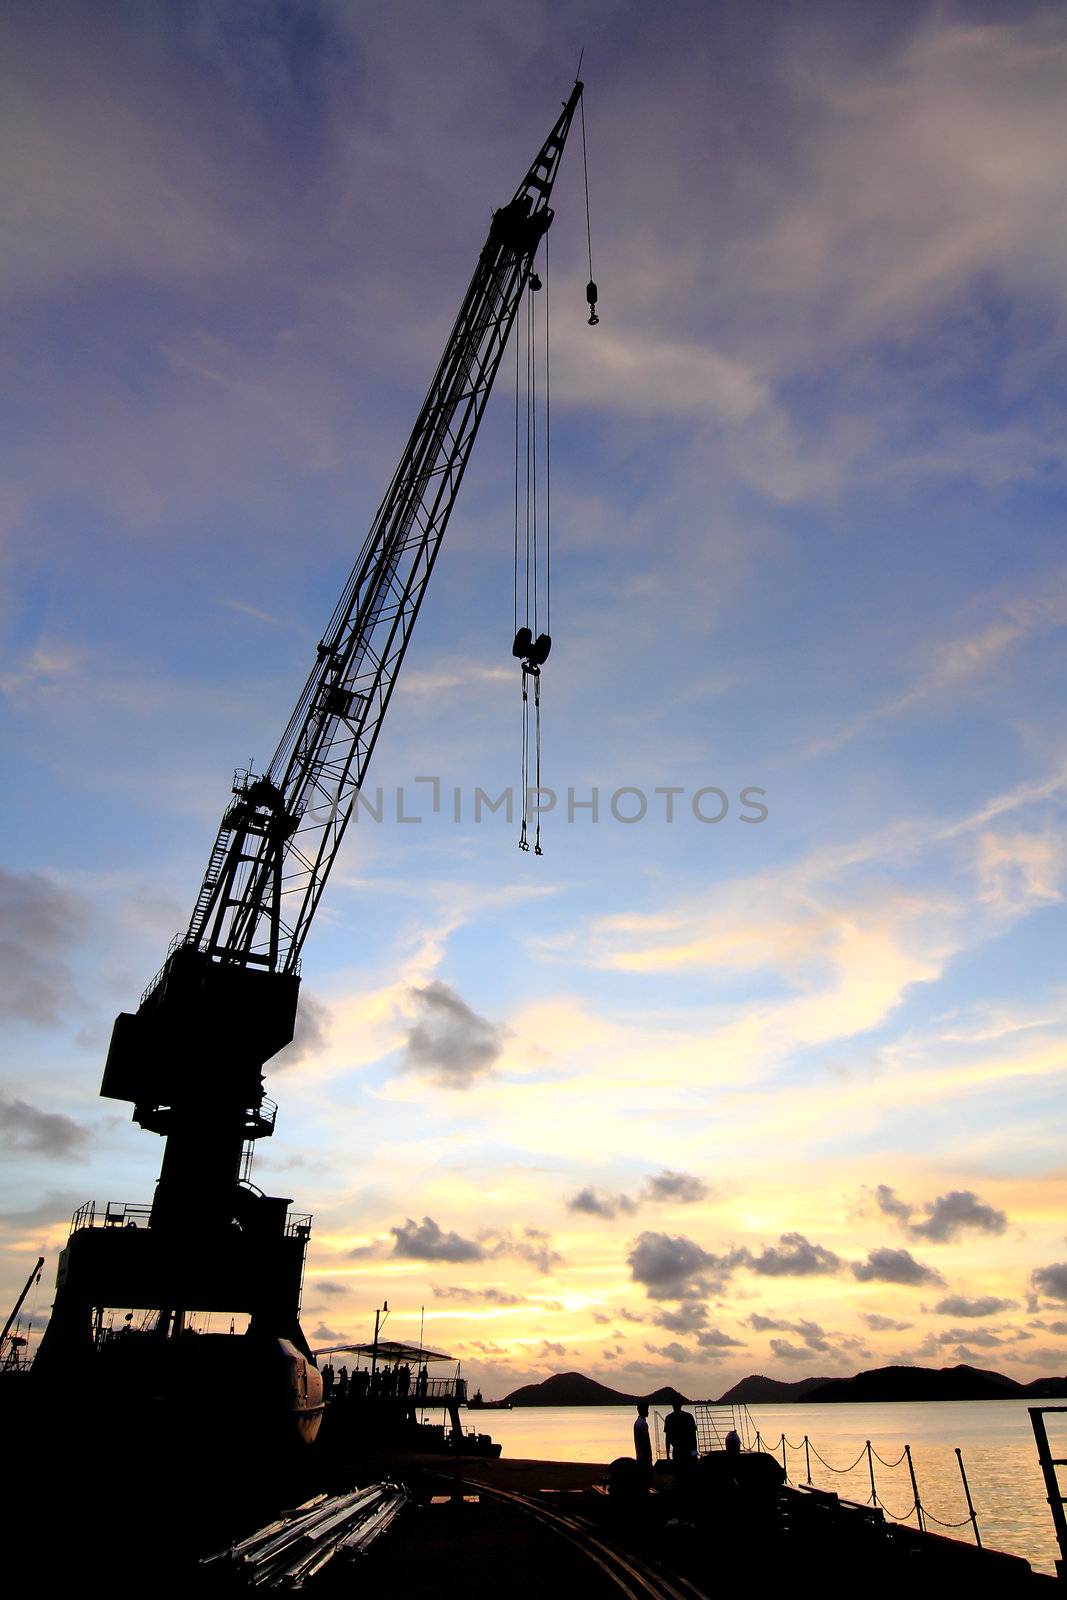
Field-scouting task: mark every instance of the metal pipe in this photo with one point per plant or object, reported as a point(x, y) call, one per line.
point(915, 1490)
point(870, 1469)
point(807, 1458)
point(970, 1502)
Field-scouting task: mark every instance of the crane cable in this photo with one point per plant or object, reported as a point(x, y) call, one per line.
point(590, 288)
point(531, 577)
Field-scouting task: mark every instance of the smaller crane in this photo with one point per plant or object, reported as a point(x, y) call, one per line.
point(34, 1277)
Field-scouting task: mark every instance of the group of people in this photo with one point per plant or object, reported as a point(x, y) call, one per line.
point(680, 1441)
point(385, 1383)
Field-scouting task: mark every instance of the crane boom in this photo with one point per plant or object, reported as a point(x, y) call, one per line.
point(280, 835)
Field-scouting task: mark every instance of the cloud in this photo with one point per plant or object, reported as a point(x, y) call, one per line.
point(597, 1203)
point(311, 1035)
point(324, 1335)
point(674, 1267)
point(673, 1351)
point(425, 1241)
point(549, 1348)
point(879, 1324)
point(27, 1130)
point(55, 1209)
point(675, 1188)
point(1014, 864)
point(716, 1339)
point(684, 1319)
point(645, 375)
point(893, 1266)
point(489, 1295)
point(40, 921)
point(890, 1206)
point(794, 1256)
point(786, 1351)
point(374, 1247)
point(449, 1043)
point(959, 1211)
point(958, 1305)
point(328, 1288)
point(1051, 1281)
point(812, 1334)
point(975, 1336)
point(531, 1244)
point(663, 1188)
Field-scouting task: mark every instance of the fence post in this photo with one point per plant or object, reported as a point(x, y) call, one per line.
point(807, 1457)
point(870, 1469)
point(915, 1490)
point(759, 1441)
point(970, 1502)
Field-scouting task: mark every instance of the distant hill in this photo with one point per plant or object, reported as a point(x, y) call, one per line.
point(664, 1397)
point(896, 1383)
point(1046, 1389)
point(880, 1384)
point(919, 1383)
point(758, 1390)
point(575, 1389)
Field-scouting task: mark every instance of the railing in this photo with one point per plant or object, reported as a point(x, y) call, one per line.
point(1053, 1492)
point(384, 1387)
point(780, 1451)
point(117, 1214)
point(261, 1118)
point(713, 1422)
point(178, 939)
point(125, 1214)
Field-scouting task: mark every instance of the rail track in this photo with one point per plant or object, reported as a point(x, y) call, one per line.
point(637, 1579)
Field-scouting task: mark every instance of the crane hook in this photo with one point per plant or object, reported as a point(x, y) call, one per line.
point(591, 297)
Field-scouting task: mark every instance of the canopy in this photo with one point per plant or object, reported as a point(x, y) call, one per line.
point(389, 1351)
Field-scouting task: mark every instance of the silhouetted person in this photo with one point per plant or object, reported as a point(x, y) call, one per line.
point(680, 1437)
point(643, 1444)
point(732, 1444)
point(342, 1383)
point(327, 1381)
point(403, 1380)
point(423, 1383)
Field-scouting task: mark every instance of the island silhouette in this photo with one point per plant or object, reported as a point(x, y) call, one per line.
point(879, 1384)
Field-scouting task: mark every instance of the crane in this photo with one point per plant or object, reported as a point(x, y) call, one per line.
point(190, 1059)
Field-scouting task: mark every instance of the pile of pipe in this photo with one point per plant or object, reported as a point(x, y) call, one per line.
point(290, 1551)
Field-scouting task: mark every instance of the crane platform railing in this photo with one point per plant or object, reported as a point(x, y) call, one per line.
point(115, 1214)
point(127, 1214)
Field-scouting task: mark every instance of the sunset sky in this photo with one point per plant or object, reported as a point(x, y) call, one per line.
point(678, 1101)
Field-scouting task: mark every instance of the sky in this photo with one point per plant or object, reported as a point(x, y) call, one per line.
point(681, 1099)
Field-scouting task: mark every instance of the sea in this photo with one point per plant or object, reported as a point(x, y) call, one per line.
point(995, 1437)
